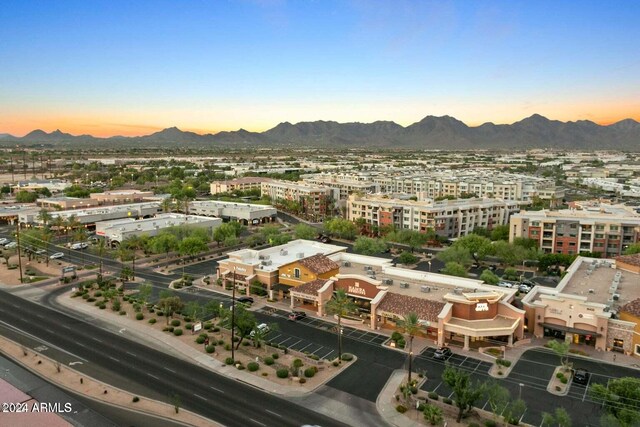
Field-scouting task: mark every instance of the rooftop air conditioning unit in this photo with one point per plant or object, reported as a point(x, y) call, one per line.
point(267, 262)
point(425, 289)
point(267, 257)
point(346, 264)
point(457, 291)
point(404, 285)
point(261, 257)
point(300, 255)
point(284, 252)
point(388, 281)
point(367, 268)
point(591, 291)
point(616, 297)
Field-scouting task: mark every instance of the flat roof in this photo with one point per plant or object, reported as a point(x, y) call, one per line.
point(283, 254)
point(159, 221)
point(593, 279)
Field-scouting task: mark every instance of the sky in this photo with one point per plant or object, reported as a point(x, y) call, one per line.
point(134, 67)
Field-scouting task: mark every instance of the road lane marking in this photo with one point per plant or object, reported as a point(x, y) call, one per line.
point(81, 345)
point(258, 422)
point(129, 353)
point(113, 358)
point(200, 397)
point(10, 326)
point(168, 369)
point(66, 327)
point(96, 339)
point(152, 376)
point(273, 413)
point(216, 389)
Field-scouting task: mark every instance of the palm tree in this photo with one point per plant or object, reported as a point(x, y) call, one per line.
point(167, 205)
point(340, 305)
point(410, 326)
point(44, 216)
point(58, 223)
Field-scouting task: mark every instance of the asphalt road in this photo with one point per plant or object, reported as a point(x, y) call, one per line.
point(225, 400)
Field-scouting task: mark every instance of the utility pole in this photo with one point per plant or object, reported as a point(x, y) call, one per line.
point(18, 246)
point(233, 315)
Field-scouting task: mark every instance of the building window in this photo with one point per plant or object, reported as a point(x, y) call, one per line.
point(637, 349)
point(296, 273)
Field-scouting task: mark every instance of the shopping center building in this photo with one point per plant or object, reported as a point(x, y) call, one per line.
point(455, 310)
point(592, 305)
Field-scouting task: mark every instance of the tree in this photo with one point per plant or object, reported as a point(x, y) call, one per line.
point(454, 269)
point(194, 310)
point(170, 305)
point(433, 414)
point(514, 412)
point(340, 305)
point(223, 232)
point(489, 277)
point(411, 238)
point(407, 258)
point(304, 231)
point(500, 232)
point(479, 247)
point(561, 348)
point(24, 196)
point(497, 397)
point(244, 322)
point(410, 325)
point(369, 246)
point(164, 243)
point(44, 216)
point(260, 334)
point(342, 228)
point(632, 249)
point(144, 292)
point(620, 398)
point(457, 255)
point(466, 393)
point(192, 246)
point(559, 418)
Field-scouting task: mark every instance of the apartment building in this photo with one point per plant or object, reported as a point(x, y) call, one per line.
point(314, 199)
point(449, 218)
point(345, 187)
point(239, 184)
point(606, 229)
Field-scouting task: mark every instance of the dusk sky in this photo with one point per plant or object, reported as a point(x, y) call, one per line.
point(134, 67)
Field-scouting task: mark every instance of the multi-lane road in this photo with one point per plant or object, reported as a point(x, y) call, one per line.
point(214, 396)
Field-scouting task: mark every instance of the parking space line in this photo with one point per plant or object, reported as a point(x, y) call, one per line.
point(374, 339)
point(272, 339)
point(282, 342)
point(302, 349)
point(438, 386)
point(325, 356)
point(292, 345)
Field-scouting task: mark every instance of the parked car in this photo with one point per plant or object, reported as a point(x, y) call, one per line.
point(297, 315)
point(524, 288)
point(503, 284)
point(4, 241)
point(57, 255)
point(581, 376)
point(40, 252)
point(443, 353)
point(245, 300)
point(262, 327)
point(492, 267)
point(11, 245)
point(80, 245)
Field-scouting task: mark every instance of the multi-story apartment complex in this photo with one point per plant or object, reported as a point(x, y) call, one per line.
point(239, 184)
point(607, 229)
point(448, 218)
point(446, 183)
point(313, 199)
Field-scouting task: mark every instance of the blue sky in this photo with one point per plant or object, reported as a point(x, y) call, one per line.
point(116, 67)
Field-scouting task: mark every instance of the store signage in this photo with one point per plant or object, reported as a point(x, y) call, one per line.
point(357, 290)
point(240, 269)
point(197, 327)
point(482, 306)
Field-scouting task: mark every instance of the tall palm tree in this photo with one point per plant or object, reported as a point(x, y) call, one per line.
point(410, 326)
point(44, 216)
point(58, 223)
point(340, 305)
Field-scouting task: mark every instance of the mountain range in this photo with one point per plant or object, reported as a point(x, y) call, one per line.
point(429, 133)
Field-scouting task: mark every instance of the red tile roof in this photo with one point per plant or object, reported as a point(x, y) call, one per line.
point(312, 287)
point(632, 307)
point(319, 264)
point(403, 304)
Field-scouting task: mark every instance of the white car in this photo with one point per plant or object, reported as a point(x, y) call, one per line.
point(505, 285)
point(10, 245)
point(262, 327)
point(56, 255)
point(4, 241)
point(78, 246)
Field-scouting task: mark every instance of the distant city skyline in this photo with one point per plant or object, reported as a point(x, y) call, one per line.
point(110, 68)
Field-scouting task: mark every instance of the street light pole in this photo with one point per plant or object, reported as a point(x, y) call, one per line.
point(233, 314)
point(18, 247)
point(520, 392)
point(410, 359)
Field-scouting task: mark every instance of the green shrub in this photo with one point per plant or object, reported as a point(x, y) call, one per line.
point(97, 293)
point(102, 306)
point(490, 423)
point(207, 325)
point(395, 336)
point(246, 343)
point(282, 373)
point(447, 401)
point(347, 357)
point(414, 389)
point(88, 297)
point(336, 363)
point(563, 380)
point(122, 312)
point(474, 425)
point(135, 399)
point(175, 322)
point(139, 316)
point(314, 357)
point(188, 326)
point(227, 347)
point(229, 360)
point(220, 342)
point(215, 329)
point(240, 366)
point(177, 332)
point(302, 381)
point(433, 395)
point(171, 328)
point(559, 375)
point(152, 321)
point(210, 349)
point(187, 319)
point(275, 356)
point(253, 366)
point(297, 363)
point(309, 372)
point(160, 313)
point(401, 408)
point(268, 361)
point(200, 339)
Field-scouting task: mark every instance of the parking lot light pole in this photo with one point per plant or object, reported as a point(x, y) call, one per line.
point(520, 391)
point(233, 314)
